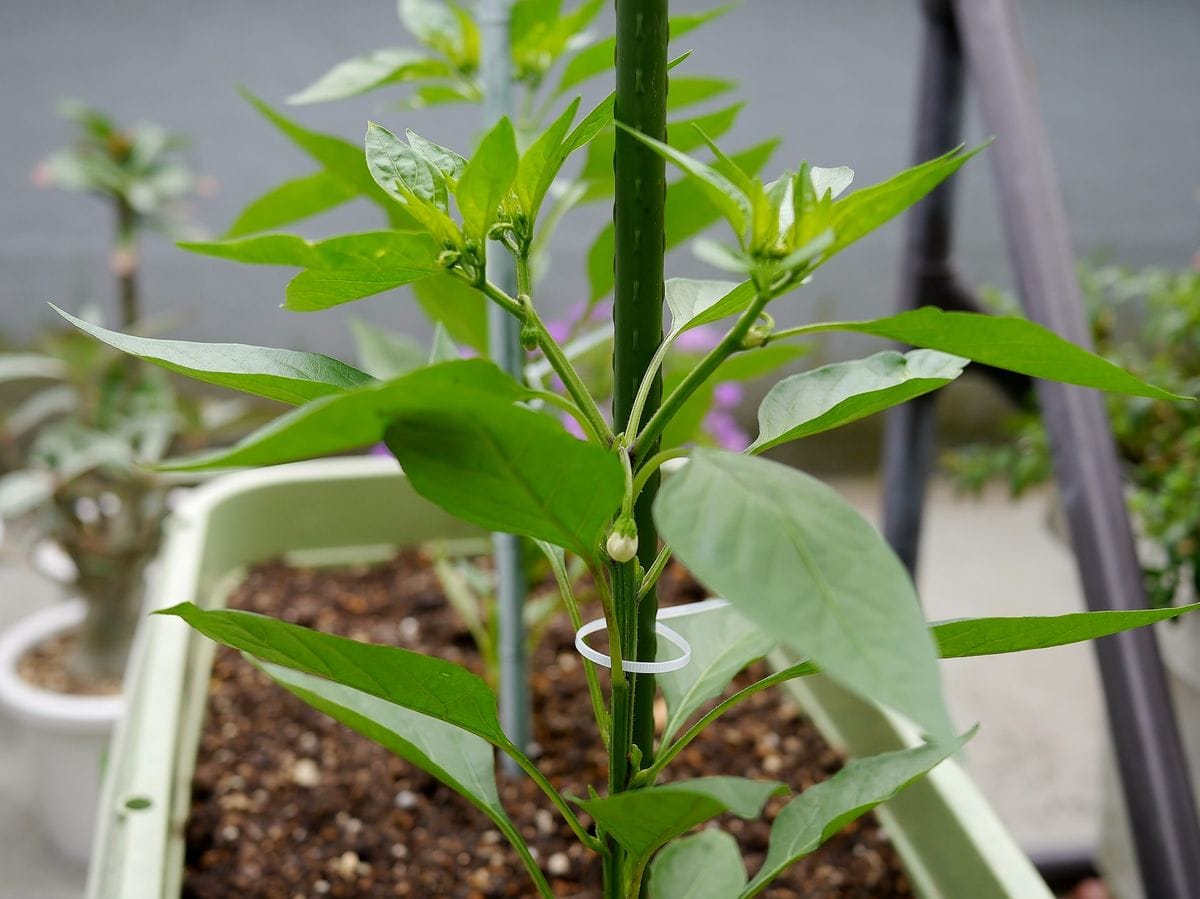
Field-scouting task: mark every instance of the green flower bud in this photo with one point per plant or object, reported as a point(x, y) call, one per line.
point(529, 337)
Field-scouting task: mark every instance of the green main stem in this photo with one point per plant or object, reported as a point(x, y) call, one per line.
point(641, 101)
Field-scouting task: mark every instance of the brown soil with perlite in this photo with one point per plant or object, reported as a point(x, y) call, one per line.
point(288, 803)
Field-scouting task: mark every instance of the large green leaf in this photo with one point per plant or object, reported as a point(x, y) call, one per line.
point(459, 759)
point(969, 637)
point(1007, 342)
point(508, 468)
point(357, 418)
point(340, 158)
point(291, 201)
point(723, 643)
point(369, 71)
point(994, 636)
point(799, 562)
point(322, 288)
point(450, 301)
point(707, 865)
point(833, 395)
point(822, 810)
point(411, 180)
point(862, 211)
point(487, 179)
point(286, 375)
point(643, 820)
point(420, 683)
point(384, 354)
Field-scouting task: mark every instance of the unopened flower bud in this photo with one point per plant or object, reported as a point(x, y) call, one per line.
point(529, 337)
point(449, 258)
point(622, 542)
point(755, 337)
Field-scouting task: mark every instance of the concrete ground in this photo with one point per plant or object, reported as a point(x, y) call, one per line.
point(1038, 752)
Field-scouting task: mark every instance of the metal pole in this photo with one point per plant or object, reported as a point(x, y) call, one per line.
point(1153, 769)
point(504, 346)
point(909, 436)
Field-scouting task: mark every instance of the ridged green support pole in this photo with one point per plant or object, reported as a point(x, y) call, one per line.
point(641, 101)
point(504, 346)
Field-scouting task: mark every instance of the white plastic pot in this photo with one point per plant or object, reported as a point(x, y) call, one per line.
point(64, 739)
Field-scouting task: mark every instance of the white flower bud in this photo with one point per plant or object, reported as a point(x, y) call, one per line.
point(621, 546)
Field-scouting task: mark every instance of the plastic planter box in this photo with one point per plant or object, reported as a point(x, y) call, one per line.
point(355, 510)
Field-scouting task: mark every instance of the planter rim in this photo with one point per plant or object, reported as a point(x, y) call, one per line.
point(37, 705)
point(138, 850)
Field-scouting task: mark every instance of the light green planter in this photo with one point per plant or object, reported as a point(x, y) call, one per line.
point(354, 510)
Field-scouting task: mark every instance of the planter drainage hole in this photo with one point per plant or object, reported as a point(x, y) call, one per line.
point(136, 803)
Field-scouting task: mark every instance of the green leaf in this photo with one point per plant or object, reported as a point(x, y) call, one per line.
point(357, 418)
point(688, 213)
point(292, 201)
point(1007, 342)
point(431, 22)
point(487, 179)
point(822, 810)
point(723, 643)
point(994, 636)
point(412, 180)
point(687, 90)
point(383, 354)
point(428, 95)
point(420, 683)
point(833, 395)
point(598, 58)
point(340, 158)
point(799, 562)
point(30, 366)
point(863, 211)
point(459, 759)
point(451, 302)
point(834, 180)
point(508, 468)
point(693, 303)
point(540, 164)
point(369, 71)
point(442, 348)
point(643, 820)
point(445, 160)
point(707, 865)
point(286, 375)
point(732, 203)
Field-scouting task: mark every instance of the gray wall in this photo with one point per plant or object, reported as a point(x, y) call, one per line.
point(1119, 84)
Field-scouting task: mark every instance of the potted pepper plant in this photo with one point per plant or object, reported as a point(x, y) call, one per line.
point(794, 566)
point(72, 492)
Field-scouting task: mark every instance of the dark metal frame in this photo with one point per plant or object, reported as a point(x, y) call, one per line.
point(982, 37)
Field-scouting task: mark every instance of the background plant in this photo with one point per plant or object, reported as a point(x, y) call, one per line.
point(798, 567)
point(1148, 322)
point(84, 417)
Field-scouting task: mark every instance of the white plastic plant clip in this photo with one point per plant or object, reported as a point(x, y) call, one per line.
point(671, 636)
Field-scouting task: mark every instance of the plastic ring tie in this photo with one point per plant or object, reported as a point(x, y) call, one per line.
point(671, 636)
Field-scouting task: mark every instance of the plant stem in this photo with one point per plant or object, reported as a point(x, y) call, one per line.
point(555, 797)
point(555, 357)
point(650, 578)
point(802, 669)
point(647, 440)
point(640, 245)
point(126, 263)
point(654, 463)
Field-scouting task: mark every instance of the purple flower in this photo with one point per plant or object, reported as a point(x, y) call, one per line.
point(728, 394)
point(723, 428)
